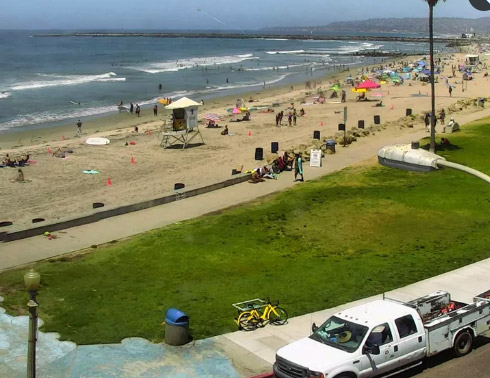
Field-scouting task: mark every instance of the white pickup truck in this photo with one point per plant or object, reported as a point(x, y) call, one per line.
point(385, 337)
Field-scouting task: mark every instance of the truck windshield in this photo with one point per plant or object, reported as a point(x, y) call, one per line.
point(340, 334)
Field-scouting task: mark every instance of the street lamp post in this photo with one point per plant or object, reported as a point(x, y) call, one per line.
point(32, 280)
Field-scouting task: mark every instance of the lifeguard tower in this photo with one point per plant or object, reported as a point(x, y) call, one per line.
point(184, 123)
point(472, 60)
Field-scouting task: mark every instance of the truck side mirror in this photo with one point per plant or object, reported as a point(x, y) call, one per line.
point(314, 327)
point(374, 349)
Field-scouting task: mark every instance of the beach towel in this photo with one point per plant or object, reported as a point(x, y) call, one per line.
point(90, 171)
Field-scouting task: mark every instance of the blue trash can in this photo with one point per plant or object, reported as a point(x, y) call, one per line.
point(331, 145)
point(176, 327)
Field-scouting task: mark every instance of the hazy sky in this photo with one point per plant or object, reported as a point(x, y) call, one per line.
point(213, 14)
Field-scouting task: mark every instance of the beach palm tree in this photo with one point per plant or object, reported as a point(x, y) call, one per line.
point(432, 4)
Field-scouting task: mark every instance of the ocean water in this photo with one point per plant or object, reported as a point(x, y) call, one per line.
point(46, 81)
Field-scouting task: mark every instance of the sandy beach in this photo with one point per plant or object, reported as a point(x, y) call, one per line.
point(58, 189)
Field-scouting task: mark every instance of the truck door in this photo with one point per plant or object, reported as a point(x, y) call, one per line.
point(412, 339)
point(387, 360)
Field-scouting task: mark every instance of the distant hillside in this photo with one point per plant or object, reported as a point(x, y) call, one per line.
point(402, 25)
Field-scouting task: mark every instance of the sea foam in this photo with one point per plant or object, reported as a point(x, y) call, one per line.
point(182, 64)
point(5, 94)
point(55, 80)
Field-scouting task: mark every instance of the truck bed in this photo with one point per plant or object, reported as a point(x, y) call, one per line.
point(444, 318)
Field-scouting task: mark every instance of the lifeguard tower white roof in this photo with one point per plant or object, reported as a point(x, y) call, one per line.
point(375, 313)
point(182, 103)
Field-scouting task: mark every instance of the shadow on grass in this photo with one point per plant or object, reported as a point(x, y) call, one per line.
point(441, 358)
point(442, 147)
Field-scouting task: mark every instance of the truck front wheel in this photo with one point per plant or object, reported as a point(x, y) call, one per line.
point(463, 343)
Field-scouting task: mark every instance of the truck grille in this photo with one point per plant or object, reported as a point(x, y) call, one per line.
point(290, 370)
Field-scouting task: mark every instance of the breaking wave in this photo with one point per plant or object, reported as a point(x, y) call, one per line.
point(182, 64)
point(55, 80)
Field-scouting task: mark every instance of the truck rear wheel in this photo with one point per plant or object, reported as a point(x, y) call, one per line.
point(463, 343)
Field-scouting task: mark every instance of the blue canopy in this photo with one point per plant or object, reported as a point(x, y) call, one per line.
point(421, 63)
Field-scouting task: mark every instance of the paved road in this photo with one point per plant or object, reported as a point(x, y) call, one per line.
point(476, 364)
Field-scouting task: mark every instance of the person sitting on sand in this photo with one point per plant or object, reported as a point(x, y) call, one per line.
point(59, 153)
point(23, 161)
point(9, 162)
point(361, 97)
point(225, 131)
point(255, 178)
point(266, 172)
point(302, 112)
point(287, 160)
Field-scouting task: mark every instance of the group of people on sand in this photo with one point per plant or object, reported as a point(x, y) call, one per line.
point(260, 173)
point(282, 163)
point(292, 117)
point(17, 162)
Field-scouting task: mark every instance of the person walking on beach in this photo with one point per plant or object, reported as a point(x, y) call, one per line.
point(290, 118)
point(79, 129)
point(298, 167)
point(138, 110)
point(442, 116)
point(344, 95)
point(281, 115)
point(131, 108)
point(450, 91)
point(155, 110)
point(295, 115)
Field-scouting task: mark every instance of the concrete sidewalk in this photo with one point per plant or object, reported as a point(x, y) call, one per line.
point(237, 354)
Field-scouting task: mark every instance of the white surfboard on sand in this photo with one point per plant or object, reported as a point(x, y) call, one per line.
point(97, 141)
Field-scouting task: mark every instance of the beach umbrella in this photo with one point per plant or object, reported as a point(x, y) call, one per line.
point(163, 101)
point(368, 84)
point(212, 117)
point(236, 111)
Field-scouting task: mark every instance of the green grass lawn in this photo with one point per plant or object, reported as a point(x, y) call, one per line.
point(352, 234)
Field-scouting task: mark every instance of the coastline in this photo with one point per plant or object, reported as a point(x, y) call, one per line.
point(58, 189)
point(39, 135)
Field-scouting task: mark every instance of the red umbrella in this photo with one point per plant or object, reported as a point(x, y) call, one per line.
point(368, 84)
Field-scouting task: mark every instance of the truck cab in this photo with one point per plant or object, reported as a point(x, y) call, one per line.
point(364, 341)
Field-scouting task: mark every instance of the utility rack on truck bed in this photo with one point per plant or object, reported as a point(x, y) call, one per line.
point(445, 319)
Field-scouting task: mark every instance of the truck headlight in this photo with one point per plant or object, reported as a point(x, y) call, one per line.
point(315, 374)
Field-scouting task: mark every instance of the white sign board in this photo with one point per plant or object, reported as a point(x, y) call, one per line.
point(316, 158)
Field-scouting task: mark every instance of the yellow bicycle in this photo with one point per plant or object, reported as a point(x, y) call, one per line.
point(257, 313)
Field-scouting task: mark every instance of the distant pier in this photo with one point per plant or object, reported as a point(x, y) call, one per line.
point(255, 36)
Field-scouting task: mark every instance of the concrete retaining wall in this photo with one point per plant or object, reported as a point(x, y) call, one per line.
point(6, 236)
